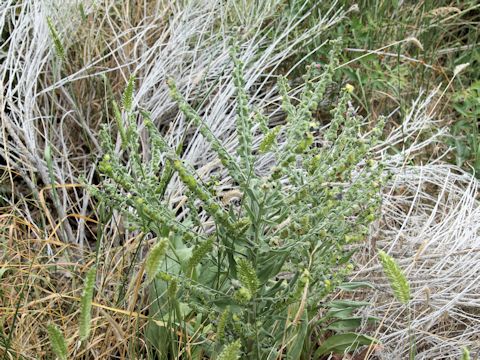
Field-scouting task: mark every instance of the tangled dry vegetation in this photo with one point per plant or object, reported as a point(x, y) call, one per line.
point(55, 94)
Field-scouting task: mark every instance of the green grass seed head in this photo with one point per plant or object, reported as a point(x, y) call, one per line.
point(221, 324)
point(127, 99)
point(247, 276)
point(230, 352)
point(155, 258)
point(57, 342)
point(86, 304)
point(199, 253)
point(57, 42)
point(396, 277)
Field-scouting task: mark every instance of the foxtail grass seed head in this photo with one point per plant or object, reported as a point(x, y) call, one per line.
point(127, 98)
point(222, 322)
point(57, 342)
point(416, 42)
point(86, 304)
point(231, 351)
point(247, 275)
point(199, 253)
point(155, 257)
point(459, 68)
point(397, 279)
point(57, 42)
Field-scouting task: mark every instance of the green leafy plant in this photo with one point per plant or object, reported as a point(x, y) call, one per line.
point(255, 279)
point(343, 342)
point(340, 321)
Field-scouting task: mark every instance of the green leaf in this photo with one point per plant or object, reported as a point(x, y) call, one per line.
point(271, 265)
point(347, 304)
point(340, 313)
point(340, 343)
point(354, 285)
point(345, 324)
point(343, 309)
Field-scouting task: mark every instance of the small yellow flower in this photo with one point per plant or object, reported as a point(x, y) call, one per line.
point(349, 88)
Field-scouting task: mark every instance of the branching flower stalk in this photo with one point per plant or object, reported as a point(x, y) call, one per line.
point(260, 271)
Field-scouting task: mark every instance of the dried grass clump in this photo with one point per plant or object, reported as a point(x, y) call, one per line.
point(38, 289)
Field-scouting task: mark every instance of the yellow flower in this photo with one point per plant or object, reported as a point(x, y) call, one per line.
point(349, 88)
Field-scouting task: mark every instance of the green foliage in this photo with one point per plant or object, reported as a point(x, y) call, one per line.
point(465, 354)
point(343, 342)
point(86, 304)
point(268, 261)
point(388, 72)
point(57, 342)
point(396, 278)
point(465, 132)
point(342, 320)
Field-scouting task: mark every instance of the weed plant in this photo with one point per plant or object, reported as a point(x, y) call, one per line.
point(252, 282)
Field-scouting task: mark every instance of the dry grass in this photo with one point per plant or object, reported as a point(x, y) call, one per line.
point(42, 283)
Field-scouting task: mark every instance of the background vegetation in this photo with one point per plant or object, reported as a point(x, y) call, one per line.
point(97, 151)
